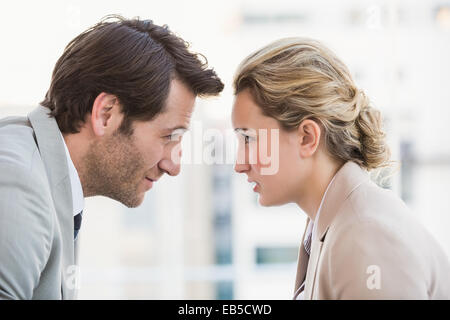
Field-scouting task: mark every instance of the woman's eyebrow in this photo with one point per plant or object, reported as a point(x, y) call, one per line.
point(245, 131)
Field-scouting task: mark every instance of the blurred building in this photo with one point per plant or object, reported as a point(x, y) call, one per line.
point(202, 234)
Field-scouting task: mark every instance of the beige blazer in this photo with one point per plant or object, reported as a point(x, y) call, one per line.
point(368, 245)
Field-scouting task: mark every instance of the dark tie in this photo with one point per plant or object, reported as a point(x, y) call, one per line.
point(77, 224)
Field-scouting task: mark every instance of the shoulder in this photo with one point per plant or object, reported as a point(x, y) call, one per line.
point(374, 230)
point(378, 218)
point(26, 213)
point(17, 143)
point(23, 180)
point(20, 160)
point(26, 203)
point(381, 210)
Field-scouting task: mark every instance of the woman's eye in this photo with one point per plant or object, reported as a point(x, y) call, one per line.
point(168, 138)
point(248, 139)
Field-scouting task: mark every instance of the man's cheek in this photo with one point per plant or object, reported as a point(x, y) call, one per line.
point(176, 154)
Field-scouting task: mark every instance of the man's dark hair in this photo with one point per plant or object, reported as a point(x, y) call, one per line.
point(132, 59)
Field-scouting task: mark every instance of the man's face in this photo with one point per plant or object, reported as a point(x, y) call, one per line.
point(124, 167)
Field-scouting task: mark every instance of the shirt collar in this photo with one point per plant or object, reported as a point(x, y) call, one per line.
point(313, 226)
point(75, 183)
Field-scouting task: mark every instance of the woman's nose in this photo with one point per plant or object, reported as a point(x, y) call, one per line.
point(241, 167)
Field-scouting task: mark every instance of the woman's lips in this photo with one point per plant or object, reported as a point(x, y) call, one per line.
point(255, 185)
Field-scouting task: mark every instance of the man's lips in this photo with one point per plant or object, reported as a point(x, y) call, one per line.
point(150, 179)
point(149, 182)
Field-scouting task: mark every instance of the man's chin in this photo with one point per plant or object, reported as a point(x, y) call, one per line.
point(132, 202)
point(138, 201)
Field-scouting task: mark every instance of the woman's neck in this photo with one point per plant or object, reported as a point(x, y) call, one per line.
point(314, 189)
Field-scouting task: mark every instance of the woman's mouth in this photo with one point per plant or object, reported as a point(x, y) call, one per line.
point(255, 186)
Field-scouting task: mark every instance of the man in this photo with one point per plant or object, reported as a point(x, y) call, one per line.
point(120, 97)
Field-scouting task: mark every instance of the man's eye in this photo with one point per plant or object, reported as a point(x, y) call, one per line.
point(173, 137)
point(176, 135)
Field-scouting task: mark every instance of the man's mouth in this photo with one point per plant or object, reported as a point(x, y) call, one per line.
point(154, 179)
point(149, 183)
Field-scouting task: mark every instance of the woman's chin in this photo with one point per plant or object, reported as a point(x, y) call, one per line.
point(270, 201)
point(264, 201)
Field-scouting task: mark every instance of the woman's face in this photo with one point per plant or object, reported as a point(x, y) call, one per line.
point(267, 154)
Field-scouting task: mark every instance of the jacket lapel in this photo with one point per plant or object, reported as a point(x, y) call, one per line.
point(347, 179)
point(53, 155)
point(316, 247)
point(302, 264)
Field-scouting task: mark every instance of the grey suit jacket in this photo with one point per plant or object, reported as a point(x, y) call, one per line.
point(37, 249)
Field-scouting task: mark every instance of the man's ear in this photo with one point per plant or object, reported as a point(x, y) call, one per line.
point(106, 115)
point(309, 132)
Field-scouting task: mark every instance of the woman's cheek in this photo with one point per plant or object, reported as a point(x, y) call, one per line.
point(263, 153)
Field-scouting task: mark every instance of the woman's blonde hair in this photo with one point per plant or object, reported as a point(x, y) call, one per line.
point(294, 79)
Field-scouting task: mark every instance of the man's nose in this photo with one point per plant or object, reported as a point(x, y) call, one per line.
point(171, 166)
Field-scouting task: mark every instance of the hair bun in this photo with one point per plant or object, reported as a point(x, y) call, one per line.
point(374, 150)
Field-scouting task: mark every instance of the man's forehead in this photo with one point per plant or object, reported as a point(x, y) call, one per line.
point(179, 107)
point(174, 120)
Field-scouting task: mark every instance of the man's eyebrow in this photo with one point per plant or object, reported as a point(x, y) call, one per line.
point(183, 128)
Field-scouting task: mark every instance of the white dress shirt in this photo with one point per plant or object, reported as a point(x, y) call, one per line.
point(312, 229)
point(75, 183)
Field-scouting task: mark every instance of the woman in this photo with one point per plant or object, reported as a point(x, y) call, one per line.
point(361, 241)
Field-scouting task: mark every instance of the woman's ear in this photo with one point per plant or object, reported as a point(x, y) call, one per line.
point(106, 115)
point(309, 132)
